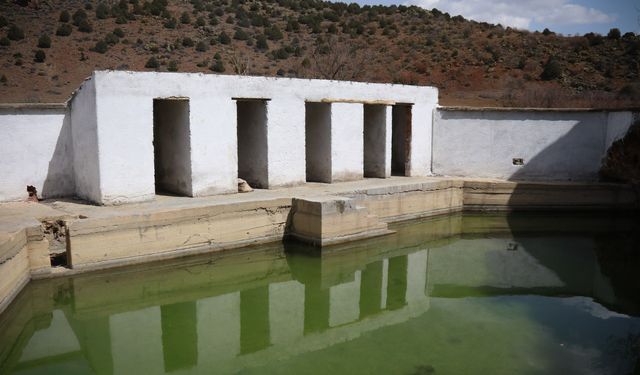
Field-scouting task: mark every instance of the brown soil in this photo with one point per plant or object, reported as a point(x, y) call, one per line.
point(471, 63)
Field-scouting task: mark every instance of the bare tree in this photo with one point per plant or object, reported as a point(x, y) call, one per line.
point(239, 62)
point(337, 59)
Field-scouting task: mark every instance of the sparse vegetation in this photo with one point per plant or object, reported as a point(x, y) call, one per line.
point(118, 32)
point(614, 34)
point(152, 63)
point(79, 16)
point(15, 33)
point(111, 39)
point(85, 26)
point(102, 11)
point(185, 18)
point(551, 70)
point(471, 62)
point(172, 66)
point(44, 41)
point(64, 30)
point(64, 17)
point(217, 66)
point(40, 56)
point(223, 38)
point(101, 47)
point(202, 46)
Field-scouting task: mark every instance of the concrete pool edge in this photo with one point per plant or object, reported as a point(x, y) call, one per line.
point(104, 237)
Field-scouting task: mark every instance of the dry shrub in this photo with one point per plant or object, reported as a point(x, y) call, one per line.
point(622, 163)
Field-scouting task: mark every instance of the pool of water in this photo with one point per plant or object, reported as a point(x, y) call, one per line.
point(460, 294)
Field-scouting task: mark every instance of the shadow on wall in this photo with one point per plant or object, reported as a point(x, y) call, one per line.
point(525, 145)
point(59, 181)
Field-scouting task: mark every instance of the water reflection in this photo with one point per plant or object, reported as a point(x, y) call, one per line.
point(531, 294)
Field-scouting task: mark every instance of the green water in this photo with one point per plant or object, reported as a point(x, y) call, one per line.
point(461, 294)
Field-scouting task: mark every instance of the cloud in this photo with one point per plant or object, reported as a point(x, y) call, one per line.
point(520, 14)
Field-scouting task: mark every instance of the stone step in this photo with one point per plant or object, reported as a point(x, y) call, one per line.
point(329, 220)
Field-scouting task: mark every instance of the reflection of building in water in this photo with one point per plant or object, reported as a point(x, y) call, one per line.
point(285, 306)
point(276, 319)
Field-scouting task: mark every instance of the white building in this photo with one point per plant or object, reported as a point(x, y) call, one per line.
point(124, 136)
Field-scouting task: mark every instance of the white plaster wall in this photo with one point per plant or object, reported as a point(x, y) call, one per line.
point(136, 341)
point(555, 145)
point(219, 320)
point(126, 158)
point(421, 142)
point(35, 149)
point(125, 129)
point(377, 141)
point(286, 312)
point(344, 302)
point(347, 141)
point(86, 148)
point(214, 160)
point(286, 135)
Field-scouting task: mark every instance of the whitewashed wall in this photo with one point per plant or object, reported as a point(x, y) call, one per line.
point(35, 149)
point(124, 126)
point(100, 148)
point(554, 144)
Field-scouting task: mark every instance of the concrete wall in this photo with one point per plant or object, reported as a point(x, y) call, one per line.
point(252, 143)
point(172, 148)
point(35, 149)
point(553, 144)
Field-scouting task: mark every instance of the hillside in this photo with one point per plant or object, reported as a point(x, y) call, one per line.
point(48, 47)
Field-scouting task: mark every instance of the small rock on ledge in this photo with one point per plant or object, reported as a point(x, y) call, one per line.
point(243, 186)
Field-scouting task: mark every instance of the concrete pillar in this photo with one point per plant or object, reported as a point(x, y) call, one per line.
point(214, 159)
point(347, 150)
point(421, 139)
point(286, 312)
point(219, 329)
point(334, 142)
point(345, 302)
point(136, 342)
point(286, 140)
point(377, 141)
point(417, 276)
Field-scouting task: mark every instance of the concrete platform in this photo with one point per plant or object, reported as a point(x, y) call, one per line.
point(97, 237)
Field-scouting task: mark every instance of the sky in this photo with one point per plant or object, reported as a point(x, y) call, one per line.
point(567, 17)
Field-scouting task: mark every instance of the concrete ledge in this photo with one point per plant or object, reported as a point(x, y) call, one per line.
point(532, 109)
point(483, 195)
